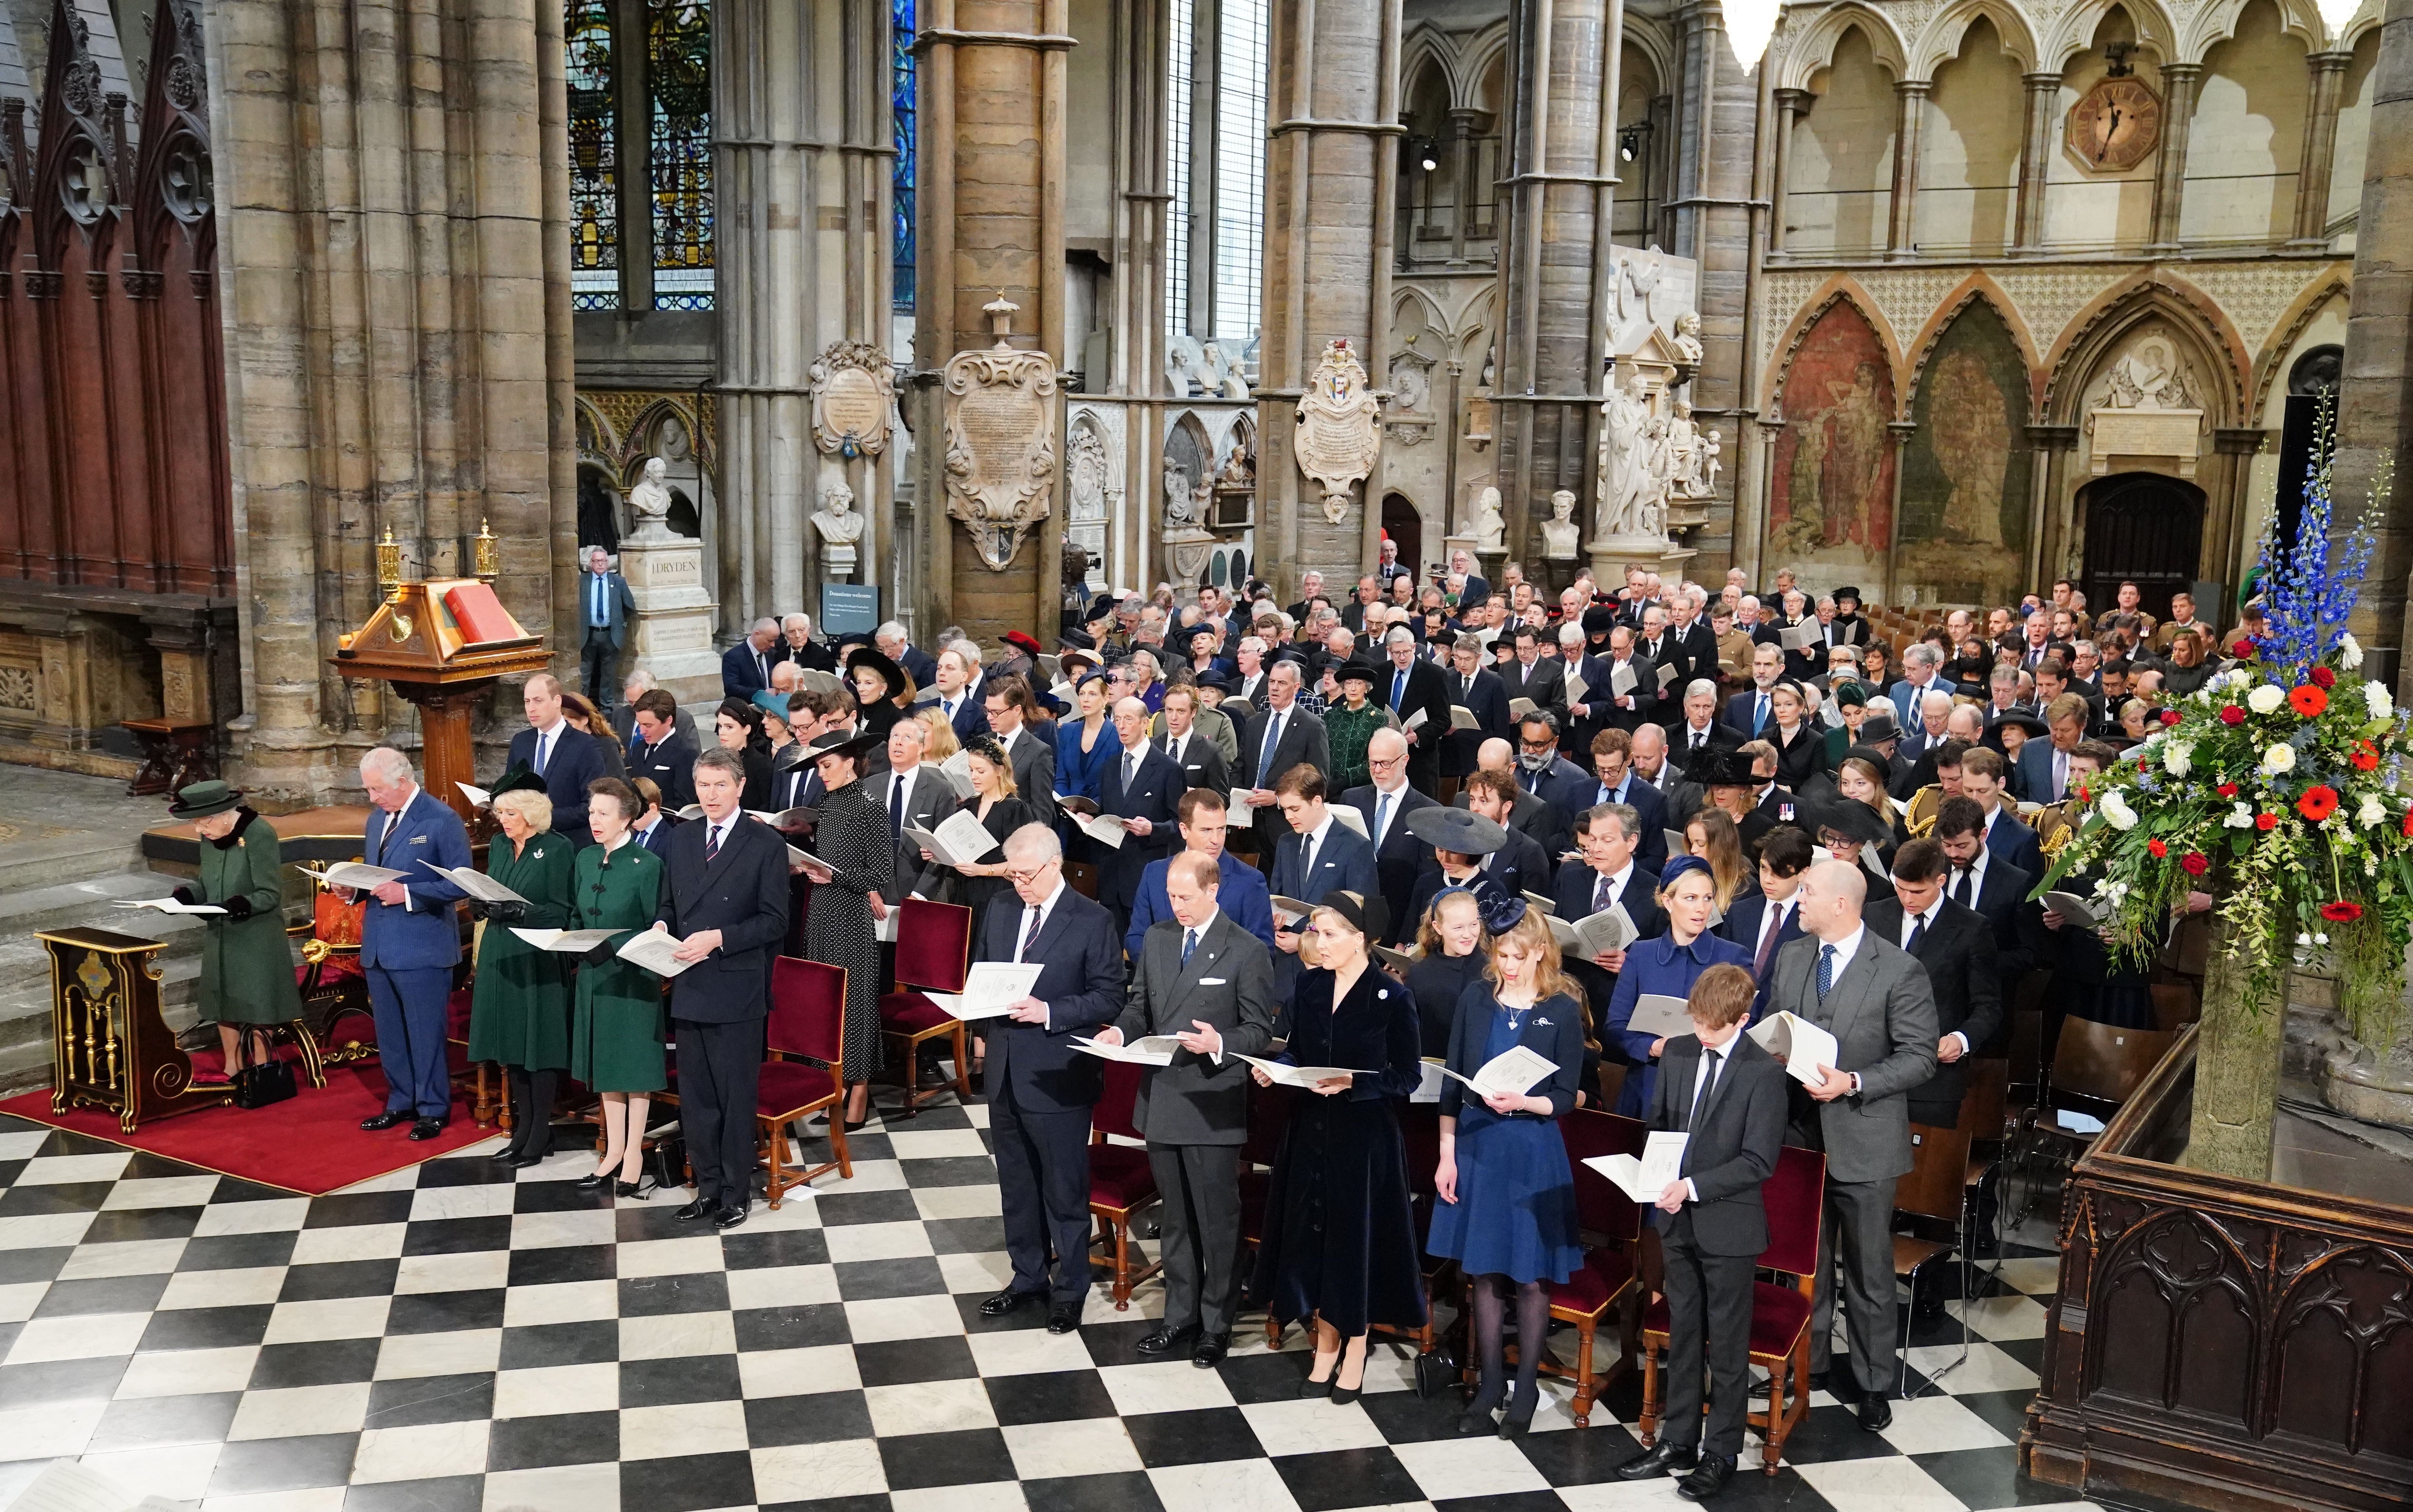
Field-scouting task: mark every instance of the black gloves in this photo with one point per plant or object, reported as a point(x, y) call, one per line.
point(238, 906)
point(600, 954)
point(507, 912)
point(184, 896)
point(479, 910)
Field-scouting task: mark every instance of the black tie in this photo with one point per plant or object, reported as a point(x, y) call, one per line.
point(1917, 933)
point(1710, 1060)
point(1961, 888)
point(896, 805)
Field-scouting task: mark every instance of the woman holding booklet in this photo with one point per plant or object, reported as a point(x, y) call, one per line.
point(853, 841)
point(616, 1045)
point(1001, 812)
point(1665, 968)
point(519, 999)
point(1339, 1243)
point(247, 962)
point(1507, 1209)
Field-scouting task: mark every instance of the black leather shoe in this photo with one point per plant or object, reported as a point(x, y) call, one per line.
point(1167, 1338)
point(1006, 1301)
point(629, 1189)
point(1876, 1413)
point(593, 1181)
point(1210, 1350)
point(1665, 1460)
point(1708, 1478)
point(508, 1155)
point(727, 1218)
point(379, 1123)
point(700, 1208)
point(1065, 1317)
point(427, 1128)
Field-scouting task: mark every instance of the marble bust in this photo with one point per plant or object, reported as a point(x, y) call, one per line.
point(650, 501)
point(839, 527)
point(1560, 532)
point(1489, 530)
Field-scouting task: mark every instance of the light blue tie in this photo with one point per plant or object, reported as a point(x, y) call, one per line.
point(1265, 757)
point(1759, 720)
point(1825, 970)
point(1381, 817)
point(542, 741)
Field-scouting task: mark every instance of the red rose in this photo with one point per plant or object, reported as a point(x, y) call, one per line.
point(2265, 820)
point(2157, 848)
point(2226, 789)
point(2366, 757)
point(2318, 802)
point(2242, 650)
point(2408, 822)
point(2324, 677)
point(2341, 911)
point(2307, 700)
point(2195, 863)
point(2231, 713)
point(2169, 716)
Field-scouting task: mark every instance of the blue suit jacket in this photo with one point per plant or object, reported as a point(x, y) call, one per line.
point(1401, 859)
point(1649, 804)
point(577, 760)
point(1081, 983)
point(1742, 926)
point(1903, 693)
point(1739, 709)
point(739, 676)
point(1345, 863)
point(420, 935)
point(620, 606)
point(971, 717)
point(2014, 840)
point(2035, 778)
point(1242, 895)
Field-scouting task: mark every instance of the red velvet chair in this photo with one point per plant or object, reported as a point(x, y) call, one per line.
point(1611, 1223)
point(1794, 1195)
point(808, 1024)
point(933, 952)
point(1120, 1180)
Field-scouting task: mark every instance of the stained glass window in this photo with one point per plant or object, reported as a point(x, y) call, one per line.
point(594, 159)
point(901, 104)
point(680, 152)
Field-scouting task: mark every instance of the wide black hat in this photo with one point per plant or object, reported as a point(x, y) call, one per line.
point(1458, 831)
point(890, 672)
point(1720, 766)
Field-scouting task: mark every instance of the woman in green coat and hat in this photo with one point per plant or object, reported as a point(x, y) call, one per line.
point(616, 1040)
point(247, 962)
point(519, 1003)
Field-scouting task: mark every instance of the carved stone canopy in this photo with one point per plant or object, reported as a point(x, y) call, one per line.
point(1001, 429)
point(854, 390)
point(1340, 428)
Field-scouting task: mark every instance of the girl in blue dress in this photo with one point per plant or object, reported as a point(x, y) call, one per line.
point(1668, 964)
point(1507, 1209)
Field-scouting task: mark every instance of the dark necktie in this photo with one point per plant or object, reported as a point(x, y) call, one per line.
point(1188, 943)
point(1712, 1059)
point(711, 842)
point(1604, 895)
point(387, 834)
point(1961, 888)
point(896, 786)
point(1030, 935)
point(1825, 970)
point(1768, 944)
point(1266, 773)
point(1917, 933)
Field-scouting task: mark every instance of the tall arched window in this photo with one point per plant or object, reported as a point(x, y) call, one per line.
point(679, 38)
point(640, 205)
point(594, 160)
point(901, 103)
point(1215, 144)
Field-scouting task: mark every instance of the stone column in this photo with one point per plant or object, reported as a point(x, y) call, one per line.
point(1792, 105)
point(1461, 128)
point(2180, 81)
point(991, 209)
point(1555, 253)
point(2328, 70)
point(1332, 115)
point(2224, 541)
point(800, 152)
point(2050, 531)
point(2374, 420)
point(1910, 115)
point(392, 184)
point(2035, 162)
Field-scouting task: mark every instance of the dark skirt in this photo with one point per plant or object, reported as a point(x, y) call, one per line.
point(1340, 1238)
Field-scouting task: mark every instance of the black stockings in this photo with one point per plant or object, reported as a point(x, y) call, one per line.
point(1491, 1295)
point(531, 1110)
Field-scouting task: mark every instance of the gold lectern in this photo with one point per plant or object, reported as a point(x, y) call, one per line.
point(110, 1047)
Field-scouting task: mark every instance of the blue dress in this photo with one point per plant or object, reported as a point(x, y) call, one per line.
point(1658, 966)
point(1515, 1215)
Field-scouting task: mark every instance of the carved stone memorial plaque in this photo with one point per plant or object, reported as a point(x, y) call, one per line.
point(1001, 450)
point(854, 392)
point(1340, 428)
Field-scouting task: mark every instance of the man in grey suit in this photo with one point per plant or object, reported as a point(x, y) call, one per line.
point(605, 607)
point(910, 792)
point(1284, 737)
point(1208, 983)
point(1878, 1003)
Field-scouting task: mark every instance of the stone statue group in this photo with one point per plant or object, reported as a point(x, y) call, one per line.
point(1652, 454)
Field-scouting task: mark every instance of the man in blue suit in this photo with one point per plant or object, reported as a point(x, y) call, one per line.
point(410, 941)
point(2009, 837)
point(1319, 855)
point(566, 757)
point(1749, 712)
point(1039, 1083)
point(1241, 894)
point(956, 695)
point(1385, 804)
point(1144, 787)
point(2043, 764)
point(1616, 782)
point(745, 667)
point(605, 607)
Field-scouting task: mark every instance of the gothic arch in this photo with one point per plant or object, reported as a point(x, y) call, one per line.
point(1843, 288)
point(1940, 43)
point(1484, 58)
point(2074, 32)
point(1978, 288)
point(1427, 46)
point(2366, 21)
point(2217, 22)
point(2197, 319)
point(1646, 36)
point(1809, 55)
point(598, 446)
point(2271, 364)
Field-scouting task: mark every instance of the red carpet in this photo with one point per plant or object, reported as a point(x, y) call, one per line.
point(311, 1143)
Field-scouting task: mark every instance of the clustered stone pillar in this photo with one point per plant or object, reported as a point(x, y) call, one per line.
point(1911, 98)
point(2180, 81)
point(1331, 175)
point(1791, 106)
point(2328, 71)
point(1555, 253)
point(991, 209)
point(394, 206)
point(2036, 161)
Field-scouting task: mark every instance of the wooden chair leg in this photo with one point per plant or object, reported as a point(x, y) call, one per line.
point(1648, 1427)
point(838, 1139)
point(1587, 1387)
point(1122, 1264)
point(963, 1048)
point(779, 1142)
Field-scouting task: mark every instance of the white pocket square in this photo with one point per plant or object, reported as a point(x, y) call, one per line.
point(419, 840)
point(1210, 981)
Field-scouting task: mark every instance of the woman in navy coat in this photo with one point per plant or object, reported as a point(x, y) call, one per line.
point(1666, 966)
point(1507, 1209)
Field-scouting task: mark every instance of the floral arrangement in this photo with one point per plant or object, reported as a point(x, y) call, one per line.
point(2275, 788)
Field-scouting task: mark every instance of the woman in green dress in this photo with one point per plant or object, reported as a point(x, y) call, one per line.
point(616, 1041)
point(247, 962)
point(1350, 723)
point(519, 1000)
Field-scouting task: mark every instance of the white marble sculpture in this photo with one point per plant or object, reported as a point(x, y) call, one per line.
point(2148, 378)
point(1489, 530)
point(1561, 533)
point(1182, 503)
point(1222, 369)
point(1631, 484)
point(1185, 367)
point(1340, 428)
point(841, 529)
point(1688, 338)
point(649, 503)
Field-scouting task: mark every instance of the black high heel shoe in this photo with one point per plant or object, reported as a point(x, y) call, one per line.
point(629, 1189)
point(1515, 1423)
point(594, 1181)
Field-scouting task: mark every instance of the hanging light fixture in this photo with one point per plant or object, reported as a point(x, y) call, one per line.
point(1751, 22)
point(2337, 13)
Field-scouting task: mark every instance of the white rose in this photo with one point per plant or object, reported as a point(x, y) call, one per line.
point(2177, 757)
point(2266, 699)
point(2279, 759)
point(2241, 817)
point(2374, 695)
point(2349, 652)
point(2116, 811)
point(2240, 678)
point(2371, 813)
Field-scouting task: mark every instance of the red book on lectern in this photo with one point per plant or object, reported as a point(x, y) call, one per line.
point(481, 616)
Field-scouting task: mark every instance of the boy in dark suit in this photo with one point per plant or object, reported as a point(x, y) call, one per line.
point(1719, 1088)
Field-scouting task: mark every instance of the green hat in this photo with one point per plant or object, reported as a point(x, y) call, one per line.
point(519, 778)
point(200, 800)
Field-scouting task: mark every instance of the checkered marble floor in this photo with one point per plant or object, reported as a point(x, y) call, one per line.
point(449, 1339)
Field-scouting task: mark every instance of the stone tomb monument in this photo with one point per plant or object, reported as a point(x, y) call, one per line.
point(673, 633)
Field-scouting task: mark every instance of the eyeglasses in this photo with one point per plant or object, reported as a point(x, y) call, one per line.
point(1029, 874)
point(1384, 762)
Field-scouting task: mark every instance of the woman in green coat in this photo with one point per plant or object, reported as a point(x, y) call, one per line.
point(519, 1002)
point(616, 1041)
point(247, 962)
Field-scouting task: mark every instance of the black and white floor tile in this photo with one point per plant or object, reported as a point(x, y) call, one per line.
point(450, 1340)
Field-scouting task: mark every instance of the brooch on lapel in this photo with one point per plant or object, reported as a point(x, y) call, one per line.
point(1541, 1023)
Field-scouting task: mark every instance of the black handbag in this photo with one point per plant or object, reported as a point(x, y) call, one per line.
point(270, 1081)
point(1436, 1372)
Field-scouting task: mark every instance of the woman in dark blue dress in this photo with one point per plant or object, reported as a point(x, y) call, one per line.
point(1507, 1209)
point(1340, 1241)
